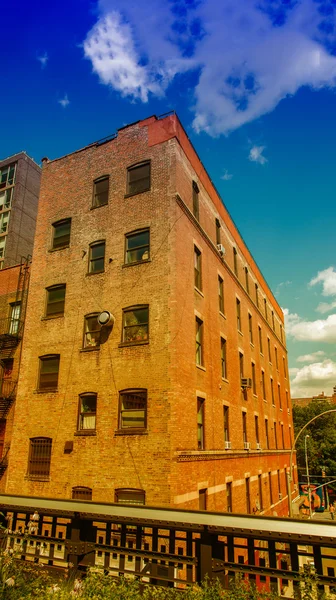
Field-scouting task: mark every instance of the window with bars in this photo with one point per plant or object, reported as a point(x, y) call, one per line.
point(223, 358)
point(100, 191)
point(81, 493)
point(97, 257)
point(133, 409)
point(197, 268)
point(61, 234)
point(55, 300)
point(221, 294)
point(48, 372)
point(195, 195)
point(92, 331)
point(39, 457)
point(138, 178)
point(200, 423)
point(135, 324)
point(137, 246)
point(87, 411)
point(199, 342)
point(7, 175)
point(130, 496)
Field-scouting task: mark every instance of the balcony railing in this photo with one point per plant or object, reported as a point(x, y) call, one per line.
point(10, 332)
point(7, 396)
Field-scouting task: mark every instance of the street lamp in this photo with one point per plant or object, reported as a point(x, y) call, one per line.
point(308, 478)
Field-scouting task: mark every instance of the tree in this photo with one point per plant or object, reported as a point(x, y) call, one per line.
point(321, 444)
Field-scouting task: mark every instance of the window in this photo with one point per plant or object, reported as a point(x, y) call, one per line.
point(260, 339)
point(226, 424)
point(250, 326)
point(275, 435)
point(235, 262)
point(195, 195)
point(257, 295)
point(5, 198)
point(247, 280)
point(241, 364)
point(91, 331)
point(223, 358)
point(269, 350)
point(61, 234)
point(266, 434)
point(272, 392)
point(7, 175)
point(14, 319)
point(199, 341)
point(130, 496)
point(276, 357)
point(270, 487)
point(81, 493)
point(202, 499)
point(273, 322)
point(55, 300)
point(282, 435)
point(265, 306)
point(200, 423)
point(254, 382)
point(221, 294)
point(247, 492)
point(197, 268)
point(135, 324)
point(279, 483)
point(284, 366)
point(260, 493)
point(279, 396)
point(137, 247)
point(4, 220)
point(238, 314)
point(218, 232)
point(287, 401)
point(138, 178)
point(281, 334)
point(263, 385)
point(100, 191)
point(96, 257)
point(133, 409)
point(87, 411)
point(229, 497)
point(256, 426)
point(244, 416)
point(48, 373)
point(39, 458)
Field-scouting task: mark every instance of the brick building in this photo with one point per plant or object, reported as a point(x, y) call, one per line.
point(320, 397)
point(183, 397)
point(19, 191)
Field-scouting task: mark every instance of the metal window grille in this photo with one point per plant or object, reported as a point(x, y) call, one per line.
point(81, 493)
point(39, 457)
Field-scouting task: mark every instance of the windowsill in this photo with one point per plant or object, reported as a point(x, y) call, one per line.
point(37, 478)
point(94, 273)
point(222, 314)
point(262, 354)
point(137, 343)
point(226, 380)
point(99, 206)
point(264, 400)
point(136, 193)
point(255, 395)
point(252, 345)
point(92, 349)
point(201, 367)
point(60, 248)
point(240, 332)
point(270, 363)
point(131, 432)
point(49, 317)
point(46, 391)
point(86, 432)
point(138, 262)
point(280, 409)
point(198, 291)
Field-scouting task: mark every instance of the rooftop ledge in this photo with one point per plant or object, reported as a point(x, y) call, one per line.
point(182, 455)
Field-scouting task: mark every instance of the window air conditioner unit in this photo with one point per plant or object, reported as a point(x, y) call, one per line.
point(258, 446)
point(221, 249)
point(246, 382)
point(247, 445)
point(106, 319)
point(227, 445)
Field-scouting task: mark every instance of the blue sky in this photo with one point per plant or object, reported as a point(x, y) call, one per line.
point(254, 84)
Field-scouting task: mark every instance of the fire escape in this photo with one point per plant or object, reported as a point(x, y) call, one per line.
point(11, 332)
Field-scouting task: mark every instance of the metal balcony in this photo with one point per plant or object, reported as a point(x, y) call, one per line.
point(10, 333)
point(7, 396)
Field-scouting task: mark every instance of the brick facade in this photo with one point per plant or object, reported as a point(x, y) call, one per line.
point(163, 458)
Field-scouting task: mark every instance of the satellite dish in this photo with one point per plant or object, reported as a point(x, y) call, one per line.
point(106, 319)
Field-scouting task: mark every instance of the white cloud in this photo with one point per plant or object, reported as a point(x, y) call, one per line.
point(328, 280)
point(227, 176)
point(321, 330)
point(281, 285)
point(324, 307)
point(43, 59)
point(64, 101)
point(310, 357)
point(245, 56)
point(312, 379)
point(256, 155)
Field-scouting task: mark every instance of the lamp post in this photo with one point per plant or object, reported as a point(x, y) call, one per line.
point(290, 474)
point(308, 479)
